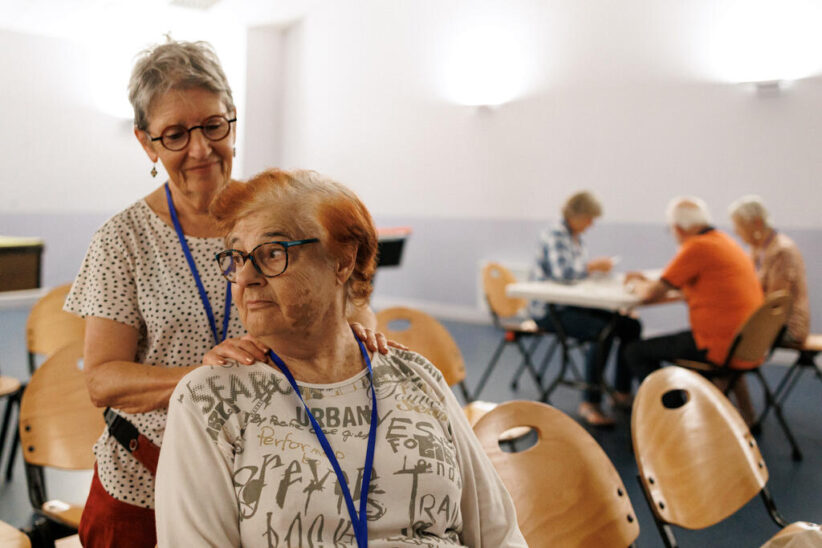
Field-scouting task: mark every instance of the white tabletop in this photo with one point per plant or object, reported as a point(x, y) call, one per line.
point(606, 292)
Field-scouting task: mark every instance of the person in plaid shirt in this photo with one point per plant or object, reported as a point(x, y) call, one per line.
point(562, 257)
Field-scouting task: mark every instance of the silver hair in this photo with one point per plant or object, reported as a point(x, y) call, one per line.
point(582, 203)
point(175, 65)
point(687, 212)
point(750, 208)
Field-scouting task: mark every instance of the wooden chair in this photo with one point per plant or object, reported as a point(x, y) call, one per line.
point(58, 427)
point(805, 360)
point(504, 310)
point(425, 335)
point(48, 328)
point(753, 344)
point(698, 462)
point(590, 506)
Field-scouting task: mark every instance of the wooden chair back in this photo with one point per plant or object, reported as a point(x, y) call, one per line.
point(49, 327)
point(425, 335)
point(589, 505)
point(495, 278)
point(697, 459)
point(758, 334)
point(58, 422)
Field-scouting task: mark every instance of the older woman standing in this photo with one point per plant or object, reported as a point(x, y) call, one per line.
point(318, 445)
point(151, 299)
point(562, 256)
point(777, 259)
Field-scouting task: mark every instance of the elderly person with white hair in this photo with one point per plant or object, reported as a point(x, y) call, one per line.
point(777, 260)
point(719, 284)
point(562, 256)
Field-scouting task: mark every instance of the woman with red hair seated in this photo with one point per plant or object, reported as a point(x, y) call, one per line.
point(322, 443)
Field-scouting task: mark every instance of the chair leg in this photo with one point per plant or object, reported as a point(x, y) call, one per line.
point(664, 529)
point(782, 390)
point(14, 445)
point(771, 506)
point(522, 366)
point(489, 368)
point(526, 358)
point(6, 422)
point(796, 454)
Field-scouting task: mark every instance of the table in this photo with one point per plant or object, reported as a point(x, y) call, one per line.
point(604, 292)
point(20, 263)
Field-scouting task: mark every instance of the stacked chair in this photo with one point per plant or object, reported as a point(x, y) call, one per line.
point(698, 462)
point(565, 488)
point(753, 344)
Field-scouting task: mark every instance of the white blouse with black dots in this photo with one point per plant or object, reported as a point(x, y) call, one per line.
point(135, 273)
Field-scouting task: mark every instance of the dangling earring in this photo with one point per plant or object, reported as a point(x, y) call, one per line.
point(234, 151)
point(154, 170)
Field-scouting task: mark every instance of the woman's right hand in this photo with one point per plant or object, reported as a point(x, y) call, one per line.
point(245, 350)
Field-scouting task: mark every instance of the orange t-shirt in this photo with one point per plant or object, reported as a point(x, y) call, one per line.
point(720, 285)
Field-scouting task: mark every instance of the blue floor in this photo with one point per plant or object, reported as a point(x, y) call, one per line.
point(796, 487)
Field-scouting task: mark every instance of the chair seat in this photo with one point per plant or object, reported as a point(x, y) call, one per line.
point(68, 542)
point(519, 326)
point(800, 534)
point(698, 366)
point(63, 512)
point(8, 385)
point(11, 537)
point(812, 344)
point(475, 410)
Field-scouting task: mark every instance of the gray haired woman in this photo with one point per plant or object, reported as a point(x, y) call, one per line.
point(777, 259)
point(153, 303)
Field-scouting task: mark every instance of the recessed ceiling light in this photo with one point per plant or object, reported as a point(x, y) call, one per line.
point(194, 4)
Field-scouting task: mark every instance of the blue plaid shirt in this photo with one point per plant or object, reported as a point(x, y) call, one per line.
point(558, 258)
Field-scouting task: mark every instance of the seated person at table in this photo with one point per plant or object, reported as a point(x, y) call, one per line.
point(562, 257)
point(719, 284)
point(777, 260)
point(277, 453)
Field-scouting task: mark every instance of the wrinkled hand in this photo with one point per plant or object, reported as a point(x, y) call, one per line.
point(245, 350)
point(601, 264)
point(374, 340)
point(631, 277)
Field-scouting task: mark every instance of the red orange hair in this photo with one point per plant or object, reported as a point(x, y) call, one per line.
point(345, 219)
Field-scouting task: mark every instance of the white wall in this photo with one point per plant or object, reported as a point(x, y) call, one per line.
point(623, 98)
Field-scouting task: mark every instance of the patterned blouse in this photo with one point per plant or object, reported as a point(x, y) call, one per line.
point(780, 266)
point(559, 257)
point(135, 273)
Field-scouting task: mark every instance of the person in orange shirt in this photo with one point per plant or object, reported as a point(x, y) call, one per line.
point(719, 284)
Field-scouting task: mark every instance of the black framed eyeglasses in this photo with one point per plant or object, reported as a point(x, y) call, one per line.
point(176, 138)
point(269, 258)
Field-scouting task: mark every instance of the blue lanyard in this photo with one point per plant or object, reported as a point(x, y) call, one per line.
point(359, 523)
point(193, 267)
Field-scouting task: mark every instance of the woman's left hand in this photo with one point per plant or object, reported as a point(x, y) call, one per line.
point(374, 340)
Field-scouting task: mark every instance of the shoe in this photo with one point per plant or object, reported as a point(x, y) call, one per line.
point(593, 415)
point(622, 400)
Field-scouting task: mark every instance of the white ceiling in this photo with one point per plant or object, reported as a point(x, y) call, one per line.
point(67, 18)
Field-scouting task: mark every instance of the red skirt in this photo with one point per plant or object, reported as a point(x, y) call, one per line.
point(108, 523)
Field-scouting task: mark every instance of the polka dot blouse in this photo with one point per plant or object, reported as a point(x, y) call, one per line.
point(135, 273)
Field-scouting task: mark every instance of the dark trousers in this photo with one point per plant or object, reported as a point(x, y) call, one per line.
point(645, 357)
point(586, 324)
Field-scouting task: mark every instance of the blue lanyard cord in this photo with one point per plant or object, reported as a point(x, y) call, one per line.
point(193, 267)
point(359, 522)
